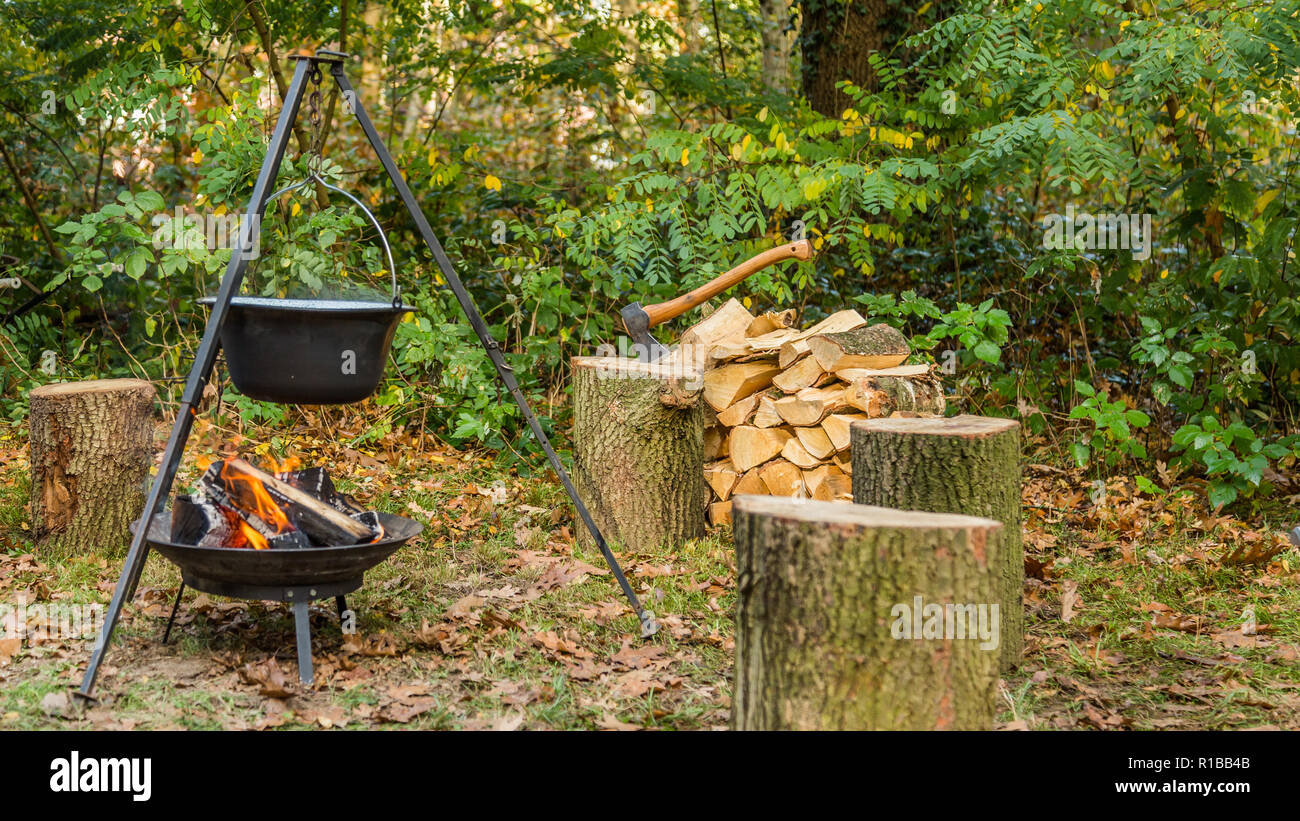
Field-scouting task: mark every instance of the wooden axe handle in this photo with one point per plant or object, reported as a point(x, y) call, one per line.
point(664, 311)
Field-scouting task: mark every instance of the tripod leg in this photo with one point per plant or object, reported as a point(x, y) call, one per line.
point(199, 372)
point(504, 372)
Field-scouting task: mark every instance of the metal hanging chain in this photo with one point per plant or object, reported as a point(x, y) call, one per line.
point(314, 115)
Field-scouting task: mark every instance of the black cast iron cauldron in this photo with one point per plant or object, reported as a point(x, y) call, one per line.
point(307, 566)
point(310, 351)
point(307, 351)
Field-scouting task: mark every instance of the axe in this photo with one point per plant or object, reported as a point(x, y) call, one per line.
point(639, 320)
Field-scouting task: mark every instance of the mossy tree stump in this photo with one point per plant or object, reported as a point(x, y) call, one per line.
point(836, 626)
point(90, 444)
point(964, 464)
point(638, 451)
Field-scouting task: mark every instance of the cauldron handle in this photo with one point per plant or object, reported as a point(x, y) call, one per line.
point(383, 238)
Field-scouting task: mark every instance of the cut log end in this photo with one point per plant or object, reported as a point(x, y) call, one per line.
point(91, 386)
point(858, 516)
point(617, 366)
point(965, 426)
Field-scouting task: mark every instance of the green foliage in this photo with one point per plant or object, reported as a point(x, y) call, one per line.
point(574, 161)
point(1111, 435)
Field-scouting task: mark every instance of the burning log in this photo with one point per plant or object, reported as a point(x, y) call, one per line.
point(284, 507)
point(317, 482)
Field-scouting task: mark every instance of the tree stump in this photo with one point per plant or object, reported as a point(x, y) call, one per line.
point(965, 464)
point(91, 444)
point(638, 451)
point(836, 620)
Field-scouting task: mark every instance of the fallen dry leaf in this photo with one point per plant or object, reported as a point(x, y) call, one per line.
point(1069, 600)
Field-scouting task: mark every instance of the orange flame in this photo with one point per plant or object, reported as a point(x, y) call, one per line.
point(263, 506)
point(289, 463)
point(251, 537)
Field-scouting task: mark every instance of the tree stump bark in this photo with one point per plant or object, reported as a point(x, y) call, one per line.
point(91, 444)
point(638, 451)
point(836, 620)
point(965, 464)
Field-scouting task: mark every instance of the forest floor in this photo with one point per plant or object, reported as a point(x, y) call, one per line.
point(1137, 610)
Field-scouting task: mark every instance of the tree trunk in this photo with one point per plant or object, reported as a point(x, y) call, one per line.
point(827, 594)
point(966, 464)
point(91, 444)
point(836, 37)
point(687, 21)
point(638, 451)
point(778, 44)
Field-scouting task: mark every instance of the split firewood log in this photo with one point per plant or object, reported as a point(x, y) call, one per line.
point(844, 461)
point(815, 441)
point(828, 483)
point(771, 321)
point(736, 350)
point(732, 319)
point(877, 346)
point(767, 415)
point(852, 374)
point(751, 446)
point(836, 427)
point(715, 443)
point(810, 405)
point(783, 479)
point(751, 484)
point(720, 513)
point(722, 477)
point(795, 452)
point(725, 386)
point(740, 412)
point(803, 374)
point(792, 352)
point(879, 396)
point(837, 322)
point(692, 354)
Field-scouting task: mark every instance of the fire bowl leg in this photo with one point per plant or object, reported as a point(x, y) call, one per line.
point(171, 620)
point(302, 624)
point(342, 604)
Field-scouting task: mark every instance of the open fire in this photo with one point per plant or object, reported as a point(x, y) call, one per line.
point(237, 505)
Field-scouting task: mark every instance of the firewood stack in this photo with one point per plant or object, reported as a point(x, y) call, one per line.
point(783, 399)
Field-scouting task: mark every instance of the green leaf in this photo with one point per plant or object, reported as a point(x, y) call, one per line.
point(1137, 418)
point(986, 351)
point(1146, 485)
point(1084, 388)
point(1222, 494)
point(136, 263)
point(1081, 453)
point(92, 283)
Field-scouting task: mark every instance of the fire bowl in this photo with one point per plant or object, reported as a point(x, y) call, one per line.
point(279, 568)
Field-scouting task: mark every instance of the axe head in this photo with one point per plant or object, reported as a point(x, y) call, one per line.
point(637, 325)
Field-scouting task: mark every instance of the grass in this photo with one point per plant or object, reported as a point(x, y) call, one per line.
point(495, 618)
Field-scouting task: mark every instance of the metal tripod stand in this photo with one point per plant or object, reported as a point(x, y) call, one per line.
point(204, 360)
